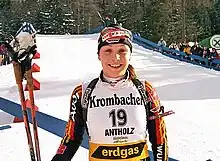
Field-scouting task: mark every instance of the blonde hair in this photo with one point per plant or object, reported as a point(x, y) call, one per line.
point(132, 72)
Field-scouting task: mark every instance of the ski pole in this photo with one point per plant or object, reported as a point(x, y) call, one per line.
point(19, 80)
point(161, 115)
point(33, 112)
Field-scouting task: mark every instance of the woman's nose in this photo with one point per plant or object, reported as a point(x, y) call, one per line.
point(116, 56)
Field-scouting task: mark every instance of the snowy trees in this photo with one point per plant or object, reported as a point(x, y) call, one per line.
point(173, 19)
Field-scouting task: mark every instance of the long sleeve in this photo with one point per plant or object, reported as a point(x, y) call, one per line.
point(74, 129)
point(156, 127)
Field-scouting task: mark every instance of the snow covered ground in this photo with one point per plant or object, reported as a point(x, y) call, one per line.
point(193, 92)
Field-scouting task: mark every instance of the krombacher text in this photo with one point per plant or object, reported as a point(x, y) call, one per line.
point(115, 100)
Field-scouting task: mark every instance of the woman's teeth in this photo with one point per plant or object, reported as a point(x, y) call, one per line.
point(115, 66)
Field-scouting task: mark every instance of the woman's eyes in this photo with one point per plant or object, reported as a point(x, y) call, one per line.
point(122, 51)
point(108, 51)
point(119, 51)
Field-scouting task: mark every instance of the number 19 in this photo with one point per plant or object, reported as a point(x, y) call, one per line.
point(121, 117)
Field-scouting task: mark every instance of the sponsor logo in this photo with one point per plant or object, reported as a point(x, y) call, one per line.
point(115, 100)
point(142, 92)
point(74, 100)
point(215, 41)
point(120, 139)
point(85, 98)
point(112, 41)
point(61, 149)
point(119, 131)
point(119, 152)
point(159, 153)
point(115, 34)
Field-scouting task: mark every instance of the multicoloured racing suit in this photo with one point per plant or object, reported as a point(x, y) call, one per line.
point(116, 124)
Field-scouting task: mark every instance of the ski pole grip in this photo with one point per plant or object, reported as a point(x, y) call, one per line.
point(17, 72)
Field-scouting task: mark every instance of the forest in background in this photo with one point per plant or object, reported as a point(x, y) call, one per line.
point(174, 20)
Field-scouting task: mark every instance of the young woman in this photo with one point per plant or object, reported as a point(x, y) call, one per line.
point(115, 109)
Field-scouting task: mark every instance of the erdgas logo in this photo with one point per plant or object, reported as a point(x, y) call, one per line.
point(119, 152)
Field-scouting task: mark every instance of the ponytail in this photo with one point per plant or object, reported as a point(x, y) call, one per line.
point(132, 72)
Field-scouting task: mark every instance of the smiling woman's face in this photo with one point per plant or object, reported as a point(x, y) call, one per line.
point(115, 59)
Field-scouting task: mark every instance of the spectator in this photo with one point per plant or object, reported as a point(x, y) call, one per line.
point(181, 46)
point(213, 55)
point(1, 59)
point(161, 43)
point(205, 52)
point(107, 21)
point(196, 49)
point(174, 46)
point(171, 46)
point(1, 54)
point(218, 57)
point(187, 50)
point(137, 34)
point(4, 57)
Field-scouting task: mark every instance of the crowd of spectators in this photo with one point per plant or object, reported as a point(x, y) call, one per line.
point(210, 54)
point(207, 53)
